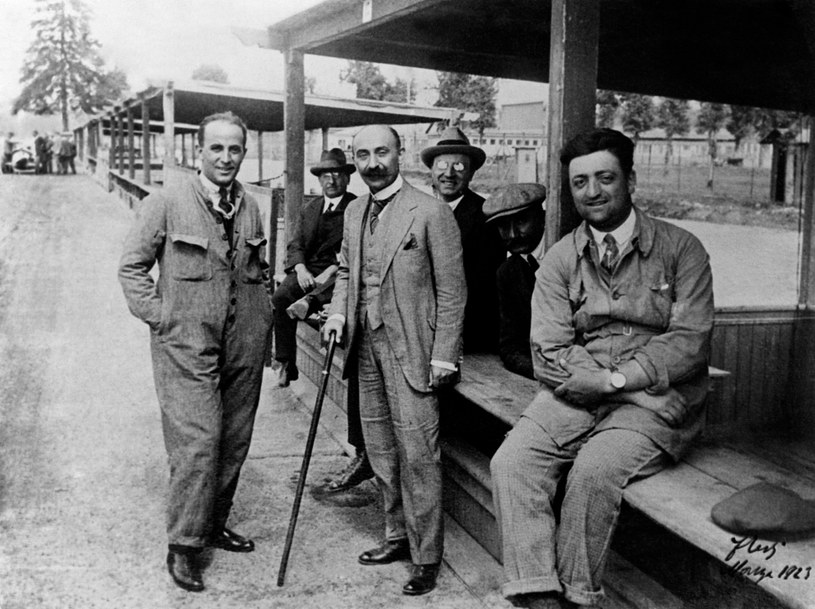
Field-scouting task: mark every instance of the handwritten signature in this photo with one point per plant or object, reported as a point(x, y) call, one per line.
point(762, 551)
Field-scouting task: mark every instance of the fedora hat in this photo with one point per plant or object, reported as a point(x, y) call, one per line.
point(332, 160)
point(453, 141)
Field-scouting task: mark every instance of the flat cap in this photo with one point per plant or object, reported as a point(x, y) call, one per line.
point(512, 199)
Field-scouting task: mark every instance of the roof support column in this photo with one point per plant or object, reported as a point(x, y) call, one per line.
point(801, 387)
point(572, 84)
point(325, 138)
point(260, 156)
point(168, 101)
point(145, 140)
point(294, 124)
point(112, 149)
point(131, 145)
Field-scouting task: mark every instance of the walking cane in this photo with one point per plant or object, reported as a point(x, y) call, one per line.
point(312, 432)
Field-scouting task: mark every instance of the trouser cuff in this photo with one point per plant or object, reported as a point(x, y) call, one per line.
point(530, 585)
point(581, 596)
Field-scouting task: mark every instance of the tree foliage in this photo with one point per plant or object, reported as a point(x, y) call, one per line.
point(211, 73)
point(372, 84)
point(672, 117)
point(606, 105)
point(471, 94)
point(637, 113)
point(63, 70)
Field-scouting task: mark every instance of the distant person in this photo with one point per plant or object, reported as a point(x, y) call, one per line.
point(311, 251)
point(40, 153)
point(209, 316)
point(453, 162)
point(621, 319)
point(399, 302)
point(517, 213)
point(63, 155)
point(50, 142)
point(8, 152)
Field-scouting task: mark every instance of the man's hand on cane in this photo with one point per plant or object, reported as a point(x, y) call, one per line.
point(333, 325)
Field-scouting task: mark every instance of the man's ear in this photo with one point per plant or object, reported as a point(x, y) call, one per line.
point(632, 181)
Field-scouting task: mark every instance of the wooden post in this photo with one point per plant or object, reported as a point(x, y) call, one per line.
point(120, 146)
point(112, 151)
point(573, 54)
point(325, 138)
point(169, 126)
point(145, 140)
point(260, 156)
point(294, 124)
point(131, 147)
point(183, 149)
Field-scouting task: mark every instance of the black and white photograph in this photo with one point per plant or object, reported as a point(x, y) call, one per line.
point(377, 304)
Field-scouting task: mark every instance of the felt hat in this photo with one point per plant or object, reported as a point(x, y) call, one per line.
point(765, 508)
point(512, 199)
point(453, 141)
point(332, 160)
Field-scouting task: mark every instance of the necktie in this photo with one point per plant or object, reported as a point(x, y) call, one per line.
point(609, 260)
point(330, 208)
point(376, 208)
point(225, 205)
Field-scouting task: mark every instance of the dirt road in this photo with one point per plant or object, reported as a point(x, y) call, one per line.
point(82, 465)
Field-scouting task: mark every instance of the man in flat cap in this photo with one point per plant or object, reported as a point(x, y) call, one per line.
point(517, 213)
point(312, 250)
point(622, 313)
point(453, 162)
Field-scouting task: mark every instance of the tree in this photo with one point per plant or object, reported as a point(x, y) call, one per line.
point(637, 113)
point(63, 71)
point(672, 117)
point(712, 118)
point(471, 94)
point(606, 105)
point(210, 72)
point(372, 84)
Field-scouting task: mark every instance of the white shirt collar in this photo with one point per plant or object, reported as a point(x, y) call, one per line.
point(622, 234)
point(333, 203)
point(214, 192)
point(454, 204)
point(395, 187)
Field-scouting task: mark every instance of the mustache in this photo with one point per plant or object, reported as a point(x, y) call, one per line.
point(375, 172)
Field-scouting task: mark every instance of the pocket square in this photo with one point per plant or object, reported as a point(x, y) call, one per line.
point(411, 243)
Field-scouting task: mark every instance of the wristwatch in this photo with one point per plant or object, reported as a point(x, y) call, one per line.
point(618, 380)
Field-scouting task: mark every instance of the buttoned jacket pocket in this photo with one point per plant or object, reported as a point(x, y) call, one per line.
point(190, 258)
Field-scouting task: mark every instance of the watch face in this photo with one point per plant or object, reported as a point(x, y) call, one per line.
point(618, 380)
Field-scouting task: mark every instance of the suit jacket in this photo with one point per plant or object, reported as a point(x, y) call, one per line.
point(484, 252)
point(516, 282)
point(422, 287)
point(305, 246)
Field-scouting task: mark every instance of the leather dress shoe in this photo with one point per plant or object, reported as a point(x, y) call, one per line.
point(388, 552)
point(358, 471)
point(300, 309)
point(287, 374)
point(231, 541)
point(422, 579)
point(185, 571)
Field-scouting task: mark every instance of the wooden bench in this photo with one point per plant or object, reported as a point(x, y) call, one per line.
point(678, 499)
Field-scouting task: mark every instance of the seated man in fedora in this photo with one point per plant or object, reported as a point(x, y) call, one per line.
point(311, 251)
point(453, 162)
point(517, 213)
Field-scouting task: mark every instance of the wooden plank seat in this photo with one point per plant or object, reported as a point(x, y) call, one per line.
point(679, 498)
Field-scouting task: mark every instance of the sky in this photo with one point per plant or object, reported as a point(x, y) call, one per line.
point(167, 39)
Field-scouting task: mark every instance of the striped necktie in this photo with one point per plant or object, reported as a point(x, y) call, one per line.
point(376, 208)
point(611, 254)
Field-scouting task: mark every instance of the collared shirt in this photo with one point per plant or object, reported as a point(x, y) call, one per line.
point(331, 203)
point(388, 191)
point(657, 309)
point(454, 204)
point(214, 192)
point(622, 234)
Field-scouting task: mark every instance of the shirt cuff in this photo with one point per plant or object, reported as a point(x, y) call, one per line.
point(441, 364)
point(337, 316)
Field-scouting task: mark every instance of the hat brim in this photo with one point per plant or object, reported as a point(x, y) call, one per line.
point(477, 156)
point(348, 168)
